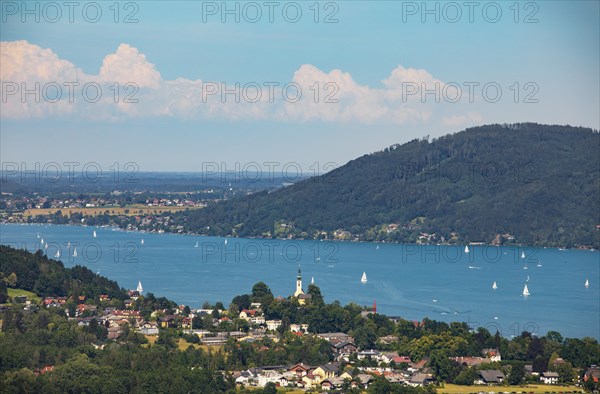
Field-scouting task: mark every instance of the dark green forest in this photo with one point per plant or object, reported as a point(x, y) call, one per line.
point(516, 184)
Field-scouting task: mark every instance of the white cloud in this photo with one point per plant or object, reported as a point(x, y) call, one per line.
point(129, 65)
point(326, 96)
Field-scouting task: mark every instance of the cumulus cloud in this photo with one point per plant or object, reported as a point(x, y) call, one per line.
point(131, 86)
point(127, 65)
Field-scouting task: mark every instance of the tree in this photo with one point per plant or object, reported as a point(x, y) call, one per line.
point(315, 292)
point(466, 377)
point(242, 301)
point(270, 388)
point(517, 373)
point(261, 293)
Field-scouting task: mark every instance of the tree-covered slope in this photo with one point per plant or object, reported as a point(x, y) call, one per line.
point(525, 183)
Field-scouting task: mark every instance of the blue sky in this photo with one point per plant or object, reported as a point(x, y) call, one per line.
point(372, 55)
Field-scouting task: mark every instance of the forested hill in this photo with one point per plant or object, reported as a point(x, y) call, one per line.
point(525, 183)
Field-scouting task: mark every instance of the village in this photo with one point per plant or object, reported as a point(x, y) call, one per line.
point(350, 366)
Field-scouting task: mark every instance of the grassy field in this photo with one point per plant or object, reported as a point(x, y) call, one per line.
point(20, 292)
point(537, 389)
point(130, 210)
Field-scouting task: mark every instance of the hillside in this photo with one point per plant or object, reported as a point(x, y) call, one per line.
point(525, 183)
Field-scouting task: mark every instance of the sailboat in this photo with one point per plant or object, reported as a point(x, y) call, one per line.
point(467, 249)
point(46, 246)
point(195, 246)
point(94, 234)
point(139, 287)
point(225, 241)
point(526, 290)
point(494, 286)
point(142, 241)
point(74, 252)
point(527, 278)
point(587, 283)
point(312, 280)
point(377, 247)
point(42, 241)
point(57, 255)
point(69, 244)
point(363, 279)
point(38, 235)
point(523, 254)
point(539, 264)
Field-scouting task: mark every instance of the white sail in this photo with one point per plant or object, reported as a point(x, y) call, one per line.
point(195, 246)
point(312, 280)
point(587, 283)
point(494, 286)
point(363, 279)
point(42, 241)
point(523, 255)
point(94, 234)
point(142, 241)
point(46, 246)
point(75, 252)
point(525, 291)
point(467, 249)
point(57, 255)
point(377, 247)
point(139, 288)
point(527, 278)
point(225, 241)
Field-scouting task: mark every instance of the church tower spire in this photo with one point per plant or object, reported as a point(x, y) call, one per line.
point(298, 283)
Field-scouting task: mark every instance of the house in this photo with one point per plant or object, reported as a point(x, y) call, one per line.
point(310, 380)
point(46, 369)
point(301, 369)
point(492, 354)
point(331, 383)
point(273, 325)
point(344, 348)
point(114, 332)
point(148, 328)
point(420, 379)
point(490, 376)
point(362, 380)
point(370, 354)
point(246, 314)
point(549, 377)
point(244, 377)
point(104, 297)
point(335, 337)
point(298, 327)
point(388, 357)
point(593, 373)
point(329, 370)
point(168, 321)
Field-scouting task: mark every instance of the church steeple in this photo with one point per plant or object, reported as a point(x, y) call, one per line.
point(298, 283)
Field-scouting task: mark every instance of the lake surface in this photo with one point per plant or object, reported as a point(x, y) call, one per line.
point(440, 282)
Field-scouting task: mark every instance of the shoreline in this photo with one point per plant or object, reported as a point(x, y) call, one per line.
point(475, 244)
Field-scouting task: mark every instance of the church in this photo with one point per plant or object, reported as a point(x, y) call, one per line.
point(299, 293)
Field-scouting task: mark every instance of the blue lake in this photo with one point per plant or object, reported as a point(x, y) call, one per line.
point(439, 282)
